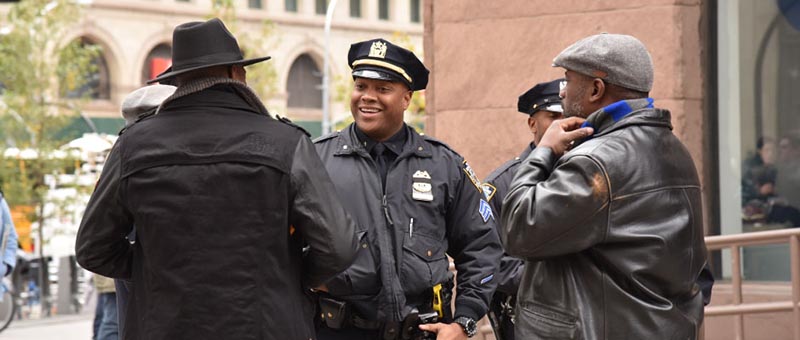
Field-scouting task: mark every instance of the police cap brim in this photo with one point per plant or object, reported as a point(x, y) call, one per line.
point(379, 74)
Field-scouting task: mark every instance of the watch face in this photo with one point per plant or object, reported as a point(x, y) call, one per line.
point(469, 325)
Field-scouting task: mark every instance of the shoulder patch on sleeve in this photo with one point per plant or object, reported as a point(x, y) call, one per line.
point(488, 190)
point(289, 122)
point(486, 211)
point(471, 175)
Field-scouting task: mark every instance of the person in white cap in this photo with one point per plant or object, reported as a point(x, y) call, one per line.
point(607, 209)
point(144, 101)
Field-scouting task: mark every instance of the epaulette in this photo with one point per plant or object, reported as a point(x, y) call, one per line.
point(140, 118)
point(145, 115)
point(326, 137)
point(438, 142)
point(289, 122)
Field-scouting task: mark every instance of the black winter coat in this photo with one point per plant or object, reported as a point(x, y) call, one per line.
point(223, 199)
point(400, 260)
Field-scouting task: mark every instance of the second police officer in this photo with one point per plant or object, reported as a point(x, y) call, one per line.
point(415, 201)
point(542, 105)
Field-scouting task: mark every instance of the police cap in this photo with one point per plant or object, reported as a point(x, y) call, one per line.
point(543, 96)
point(380, 59)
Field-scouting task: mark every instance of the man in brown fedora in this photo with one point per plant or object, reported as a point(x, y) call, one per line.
point(224, 199)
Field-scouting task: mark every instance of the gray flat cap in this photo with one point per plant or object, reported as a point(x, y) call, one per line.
point(618, 59)
point(143, 100)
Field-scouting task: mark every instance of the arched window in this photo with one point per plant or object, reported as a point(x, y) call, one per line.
point(97, 83)
point(304, 83)
point(158, 60)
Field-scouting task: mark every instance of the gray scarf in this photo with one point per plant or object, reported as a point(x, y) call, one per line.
point(197, 85)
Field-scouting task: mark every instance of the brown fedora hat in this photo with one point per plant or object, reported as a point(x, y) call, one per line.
point(197, 45)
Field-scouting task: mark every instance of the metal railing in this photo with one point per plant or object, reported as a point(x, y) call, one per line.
point(738, 309)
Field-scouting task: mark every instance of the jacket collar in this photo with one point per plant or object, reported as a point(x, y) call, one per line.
point(220, 95)
point(527, 151)
point(347, 144)
point(625, 113)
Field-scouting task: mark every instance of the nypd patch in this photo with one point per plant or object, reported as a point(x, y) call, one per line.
point(472, 177)
point(488, 190)
point(486, 211)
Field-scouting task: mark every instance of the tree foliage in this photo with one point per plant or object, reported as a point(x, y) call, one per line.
point(37, 65)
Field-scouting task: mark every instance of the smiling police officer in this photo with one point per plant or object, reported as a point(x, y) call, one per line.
point(415, 201)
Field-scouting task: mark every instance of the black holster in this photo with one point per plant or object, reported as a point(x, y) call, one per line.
point(335, 314)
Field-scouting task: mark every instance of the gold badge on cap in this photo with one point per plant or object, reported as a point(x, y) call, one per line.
point(378, 50)
point(421, 188)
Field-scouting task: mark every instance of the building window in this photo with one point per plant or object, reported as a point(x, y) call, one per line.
point(383, 9)
point(157, 61)
point(254, 4)
point(97, 83)
point(321, 6)
point(758, 67)
point(355, 8)
point(415, 11)
point(303, 85)
point(291, 5)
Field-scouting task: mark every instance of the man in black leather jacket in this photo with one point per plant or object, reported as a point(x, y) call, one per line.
point(542, 105)
point(415, 201)
point(224, 198)
point(607, 209)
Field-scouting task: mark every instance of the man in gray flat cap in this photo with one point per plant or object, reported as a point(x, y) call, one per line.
point(624, 262)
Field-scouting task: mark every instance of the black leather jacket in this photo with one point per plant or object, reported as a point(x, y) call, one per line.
point(612, 233)
point(396, 264)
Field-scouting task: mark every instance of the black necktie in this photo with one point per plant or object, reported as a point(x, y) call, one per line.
point(379, 155)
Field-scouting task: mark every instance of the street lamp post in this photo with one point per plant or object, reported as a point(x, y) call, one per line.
point(326, 95)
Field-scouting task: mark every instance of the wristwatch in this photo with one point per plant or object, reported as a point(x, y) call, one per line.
point(468, 325)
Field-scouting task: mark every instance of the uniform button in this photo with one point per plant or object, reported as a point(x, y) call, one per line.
point(330, 316)
point(430, 253)
point(364, 246)
point(344, 147)
point(419, 148)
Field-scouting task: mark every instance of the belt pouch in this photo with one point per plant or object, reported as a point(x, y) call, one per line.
point(334, 312)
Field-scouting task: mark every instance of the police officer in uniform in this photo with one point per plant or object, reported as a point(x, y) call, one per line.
point(415, 201)
point(542, 105)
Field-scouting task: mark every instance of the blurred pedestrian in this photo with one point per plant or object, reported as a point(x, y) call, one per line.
point(137, 105)
point(105, 316)
point(8, 242)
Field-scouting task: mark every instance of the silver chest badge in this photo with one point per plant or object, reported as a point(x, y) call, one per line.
point(421, 188)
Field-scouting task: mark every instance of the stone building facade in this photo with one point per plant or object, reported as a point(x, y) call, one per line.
point(725, 69)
